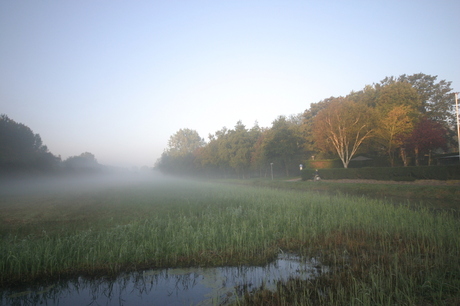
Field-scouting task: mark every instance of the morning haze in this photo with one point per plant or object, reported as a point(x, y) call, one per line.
point(164, 152)
point(118, 79)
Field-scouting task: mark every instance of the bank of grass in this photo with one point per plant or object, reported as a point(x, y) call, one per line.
point(377, 254)
point(434, 196)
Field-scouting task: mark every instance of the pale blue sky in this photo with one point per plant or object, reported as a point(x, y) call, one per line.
point(118, 78)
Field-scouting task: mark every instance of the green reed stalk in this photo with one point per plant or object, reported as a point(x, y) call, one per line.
point(378, 253)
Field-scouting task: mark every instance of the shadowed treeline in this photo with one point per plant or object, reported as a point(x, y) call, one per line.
point(23, 154)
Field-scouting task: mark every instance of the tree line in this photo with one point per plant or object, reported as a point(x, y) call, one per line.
point(23, 152)
point(402, 120)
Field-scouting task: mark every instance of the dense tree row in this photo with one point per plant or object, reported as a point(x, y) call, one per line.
point(403, 119)
point(22, 151)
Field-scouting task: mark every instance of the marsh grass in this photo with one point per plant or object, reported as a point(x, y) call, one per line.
point(377, 254)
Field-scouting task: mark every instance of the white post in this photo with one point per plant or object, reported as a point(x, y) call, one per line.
point(271, 169)
point(458, 123)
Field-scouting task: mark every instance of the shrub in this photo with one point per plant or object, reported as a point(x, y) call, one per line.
point(324, 164)
point(389, 173)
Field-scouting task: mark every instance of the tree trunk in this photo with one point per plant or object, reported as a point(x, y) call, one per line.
point(391, 156)
point(404, 156)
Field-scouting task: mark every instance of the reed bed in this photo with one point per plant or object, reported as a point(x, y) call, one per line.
point(378, 254)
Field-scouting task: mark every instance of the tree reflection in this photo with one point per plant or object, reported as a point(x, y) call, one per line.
point(169, 286)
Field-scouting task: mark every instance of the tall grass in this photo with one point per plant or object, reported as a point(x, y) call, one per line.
point(378, 253)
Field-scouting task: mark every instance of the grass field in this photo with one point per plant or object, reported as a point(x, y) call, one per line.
point(378, 254)
point(436, 195)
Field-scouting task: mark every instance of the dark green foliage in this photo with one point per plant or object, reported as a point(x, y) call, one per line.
point(284, 143)
point(83, 163)
point(23, 151)
point(307, 174)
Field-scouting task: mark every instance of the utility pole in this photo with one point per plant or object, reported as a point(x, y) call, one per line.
point(458, 123)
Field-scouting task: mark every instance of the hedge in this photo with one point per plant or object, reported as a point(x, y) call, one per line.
point(323, 164)
point(448, 172)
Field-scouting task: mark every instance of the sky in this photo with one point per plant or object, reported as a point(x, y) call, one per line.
point(119, 78)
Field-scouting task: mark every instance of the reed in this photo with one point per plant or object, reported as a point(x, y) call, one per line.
point(377, 253)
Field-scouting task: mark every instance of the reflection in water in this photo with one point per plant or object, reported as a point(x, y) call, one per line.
point(189, 286)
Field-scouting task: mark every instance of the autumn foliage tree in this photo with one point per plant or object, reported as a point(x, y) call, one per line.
point(427, 136)
point(183, 142)
point(392, 129)
point(409, 114)
point(180, 157)
point(343, 127)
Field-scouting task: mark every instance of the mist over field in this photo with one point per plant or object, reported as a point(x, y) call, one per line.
point(137, 136)
point(30, 185)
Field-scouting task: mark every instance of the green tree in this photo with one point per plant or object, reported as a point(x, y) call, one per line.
point(367, 96)
point(21, 149)
point(240, 146)
point(181, 157)
point(392, 128)
point(284, 143)
point(436, 97)
point(215, 156)
point(223, 150)
point(259, 161)
point(184, 142)
point(398, 94)
point(84, 162)
point(207, 156)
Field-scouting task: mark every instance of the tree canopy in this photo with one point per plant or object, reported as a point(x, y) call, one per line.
point(343, 127)
point(383, 120)
point(409, 116)
point(21, 149)
point(183, 142)
point(23, 152)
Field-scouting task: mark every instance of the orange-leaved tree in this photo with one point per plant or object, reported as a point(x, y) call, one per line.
point(342, 127)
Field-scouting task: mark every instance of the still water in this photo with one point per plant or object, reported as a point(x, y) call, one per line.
point(189, 286)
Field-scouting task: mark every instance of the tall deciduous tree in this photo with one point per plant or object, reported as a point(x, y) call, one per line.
point(183, 142)
point(21, 149)
point(207, 156)
point(343, 127)
point(86, 161)
point(427, 136)
point(283, 143)
point(308, 118)
point(240, 146)
point(180, 157)
point(18, 144)
point(398, 94)
point(392, 128)
point(436, 98)
point(259, 160)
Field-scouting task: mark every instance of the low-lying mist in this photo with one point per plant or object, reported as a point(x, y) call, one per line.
point(30, 185)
